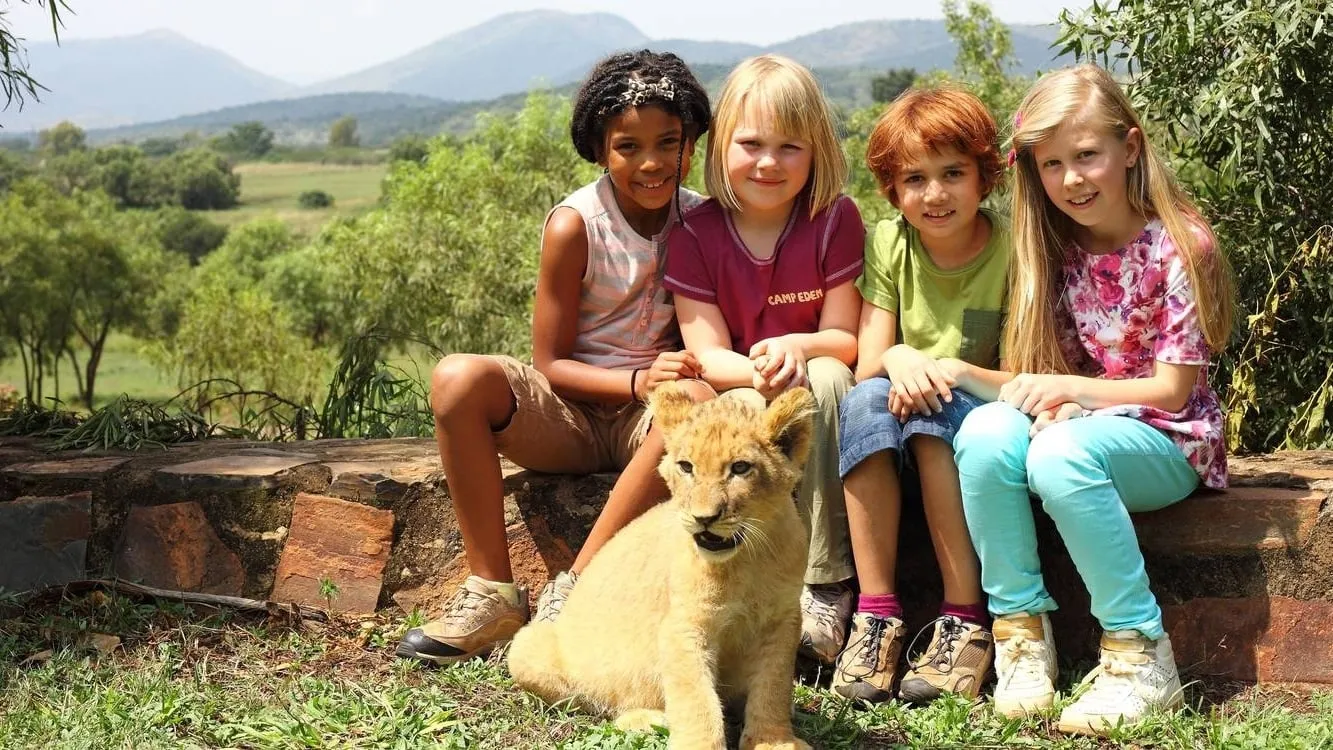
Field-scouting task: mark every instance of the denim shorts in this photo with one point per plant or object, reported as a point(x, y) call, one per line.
point(866, 426)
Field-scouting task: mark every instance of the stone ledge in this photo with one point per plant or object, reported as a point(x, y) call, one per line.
point(1245, 576)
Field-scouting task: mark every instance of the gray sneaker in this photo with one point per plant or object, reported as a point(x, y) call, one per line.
point(552, 598)
point(826, 610)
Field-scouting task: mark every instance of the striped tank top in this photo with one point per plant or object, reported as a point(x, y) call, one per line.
point(626, 317)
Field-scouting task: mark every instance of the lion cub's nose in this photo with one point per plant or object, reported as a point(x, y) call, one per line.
point(706, 521)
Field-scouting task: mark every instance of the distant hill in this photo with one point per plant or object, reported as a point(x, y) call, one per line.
point(163, 84)
point(150, 76)
point(508, 53)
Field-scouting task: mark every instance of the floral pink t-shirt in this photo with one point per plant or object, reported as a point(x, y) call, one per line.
point(1131, 307)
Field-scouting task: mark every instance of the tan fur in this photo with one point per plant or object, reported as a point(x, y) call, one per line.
point(658, 624)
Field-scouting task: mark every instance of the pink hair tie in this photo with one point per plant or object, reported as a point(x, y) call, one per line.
point(1013, 157)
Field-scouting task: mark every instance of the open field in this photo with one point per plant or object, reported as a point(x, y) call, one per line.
point(124, 369)
point(165, 675)
point(272, 189)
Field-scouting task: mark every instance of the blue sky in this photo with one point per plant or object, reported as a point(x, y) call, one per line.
point(304, 41)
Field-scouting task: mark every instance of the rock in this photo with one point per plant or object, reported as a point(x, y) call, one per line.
point(228, 473)
point(46, 540)
point(174, 547)
point(337, 541)
point(1237, 520)
point(1269, 639)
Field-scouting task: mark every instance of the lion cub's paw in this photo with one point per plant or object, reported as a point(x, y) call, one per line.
point(791, 743)
point(640, 720)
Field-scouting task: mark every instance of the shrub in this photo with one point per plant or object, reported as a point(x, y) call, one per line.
point(314, 199)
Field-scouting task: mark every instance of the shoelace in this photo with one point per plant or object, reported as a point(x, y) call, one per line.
point(951, 631)
point(1025, 657)
point(464, 602)
point(824, 606)
point(1112, 678)
point(868, 654)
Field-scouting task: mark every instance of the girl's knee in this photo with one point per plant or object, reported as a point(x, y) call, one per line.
point(868, 397)
point(698, 390)
point(462, 380)
point(830, 380)
point(992, 431)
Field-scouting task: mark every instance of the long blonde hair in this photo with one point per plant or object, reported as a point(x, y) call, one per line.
point(783, 91)
point(1042, 232)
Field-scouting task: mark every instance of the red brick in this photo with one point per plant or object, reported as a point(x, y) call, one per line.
point(174, 547)
point(346, 543)
point(1275, 639)
point(1237, 520)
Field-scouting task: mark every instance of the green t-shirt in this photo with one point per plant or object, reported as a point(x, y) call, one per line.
point(956, 313)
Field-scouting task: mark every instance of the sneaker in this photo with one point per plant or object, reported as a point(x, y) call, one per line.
point(957, 660)
point(825, 610)
point(867, 667)
point(1137, 676)
point(551, 600)
point(475, 621)
point(1025, 669)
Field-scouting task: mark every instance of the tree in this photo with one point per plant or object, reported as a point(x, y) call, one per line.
point(343, 133)
point(1237, 91)
point(15, 80)
point(188, 233)
point(250, 140)
point(411, 147)
point(201, 179)
point(887, 87)
point(985, 55)
point(62, 138)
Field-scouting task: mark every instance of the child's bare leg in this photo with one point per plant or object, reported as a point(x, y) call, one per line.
point(471, 399)
point(943, 502)
point(639, 487)
point(874, 506)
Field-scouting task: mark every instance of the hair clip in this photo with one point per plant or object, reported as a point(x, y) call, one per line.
point(1012, 158)
point(639, 91)
point(1018, 120)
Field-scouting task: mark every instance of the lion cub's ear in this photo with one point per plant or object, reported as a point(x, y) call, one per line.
point(670, 405)
point(789, 423)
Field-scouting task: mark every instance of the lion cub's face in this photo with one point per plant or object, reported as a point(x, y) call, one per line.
point(732, 468)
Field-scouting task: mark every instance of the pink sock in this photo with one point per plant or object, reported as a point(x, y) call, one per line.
point(880, 605)
point(973, 613)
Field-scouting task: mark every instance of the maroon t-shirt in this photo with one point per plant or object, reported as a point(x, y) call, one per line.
point(762, 298)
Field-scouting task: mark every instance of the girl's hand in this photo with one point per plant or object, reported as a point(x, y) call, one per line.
point(779, 362)
point(1033, 394)
point(667, 367)
point(919, 378)
point(1067, 410)
point(900, 406)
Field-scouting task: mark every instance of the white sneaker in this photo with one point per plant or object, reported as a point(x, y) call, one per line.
point(1025, 670)
point(826, 611)
point(1137, 676)
point(552, 598)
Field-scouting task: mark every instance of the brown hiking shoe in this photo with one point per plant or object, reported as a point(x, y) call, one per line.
point(957, 660)
point(867, 667)
point(475, 621)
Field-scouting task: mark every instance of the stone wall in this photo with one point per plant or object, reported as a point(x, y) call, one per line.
point(1245, 576)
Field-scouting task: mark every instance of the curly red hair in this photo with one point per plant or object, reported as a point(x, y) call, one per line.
point(932, 119)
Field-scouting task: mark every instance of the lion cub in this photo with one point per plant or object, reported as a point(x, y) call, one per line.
point(695, 603)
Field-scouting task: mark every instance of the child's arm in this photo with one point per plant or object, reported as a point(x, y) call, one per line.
point(1168, 389)
point(781, 359)
point(877, 333)
point(555, 324)
point(705, 332)
point(980, 382)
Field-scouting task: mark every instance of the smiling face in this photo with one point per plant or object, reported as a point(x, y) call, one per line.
point(641, 147)
point(1084, 172)
point(939, 193)
point(766, 169)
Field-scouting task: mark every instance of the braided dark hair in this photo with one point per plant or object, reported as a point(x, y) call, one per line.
point(630, 79)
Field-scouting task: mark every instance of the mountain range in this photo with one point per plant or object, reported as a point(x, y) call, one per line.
point(161, 76)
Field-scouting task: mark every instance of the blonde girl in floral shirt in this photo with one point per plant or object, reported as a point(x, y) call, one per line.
point(1119, 298)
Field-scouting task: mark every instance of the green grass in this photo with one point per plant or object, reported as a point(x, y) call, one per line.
point(124, 369)
point(202, 678)
point(272, 189)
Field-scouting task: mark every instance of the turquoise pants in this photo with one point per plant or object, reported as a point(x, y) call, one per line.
point(1090, 474)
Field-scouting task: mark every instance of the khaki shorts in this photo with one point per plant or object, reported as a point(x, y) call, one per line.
point(555, 435)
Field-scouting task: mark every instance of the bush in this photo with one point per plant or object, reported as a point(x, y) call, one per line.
point(314, 199)
point(188, 233)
